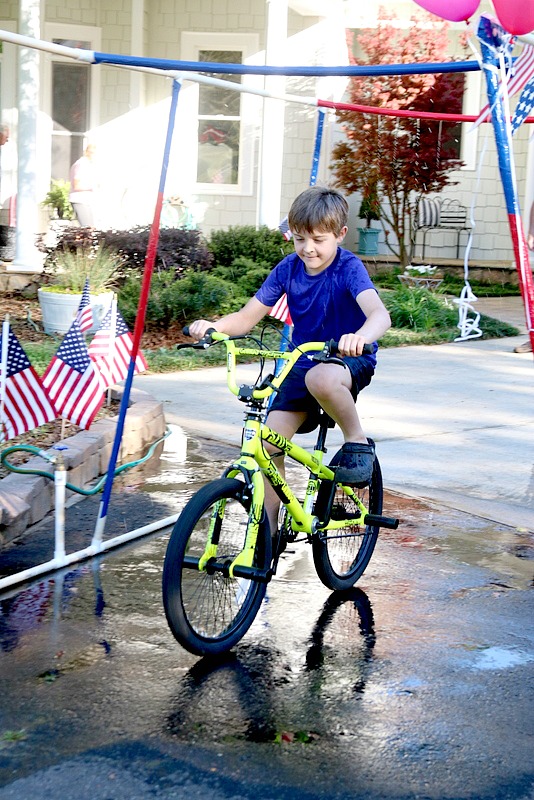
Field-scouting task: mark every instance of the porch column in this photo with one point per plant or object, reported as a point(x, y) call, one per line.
point(137, 79)
point(272, 138)
point(27, 257)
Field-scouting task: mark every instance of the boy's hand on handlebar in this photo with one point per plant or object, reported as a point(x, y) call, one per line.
point(351, 344)
point(197, 330)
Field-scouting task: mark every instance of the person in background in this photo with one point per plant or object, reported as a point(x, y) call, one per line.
point(82, 187)
point(526, 347)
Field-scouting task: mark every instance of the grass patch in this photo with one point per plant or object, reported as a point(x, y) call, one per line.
point(452, 285)
point(427, 318)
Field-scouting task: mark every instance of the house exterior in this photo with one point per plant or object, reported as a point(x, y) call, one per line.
point(236, 157)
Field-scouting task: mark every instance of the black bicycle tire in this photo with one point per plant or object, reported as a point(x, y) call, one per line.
point(185, 589)
point(328, 573)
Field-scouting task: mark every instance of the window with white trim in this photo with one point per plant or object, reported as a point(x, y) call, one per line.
point(223, 116)
point(71, 92)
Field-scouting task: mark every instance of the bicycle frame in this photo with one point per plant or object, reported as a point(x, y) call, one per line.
point(255, 463)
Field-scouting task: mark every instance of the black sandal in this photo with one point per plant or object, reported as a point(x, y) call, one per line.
point(356, 461)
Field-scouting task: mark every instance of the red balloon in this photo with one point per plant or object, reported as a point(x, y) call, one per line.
point(516, 16)
point(454, 10)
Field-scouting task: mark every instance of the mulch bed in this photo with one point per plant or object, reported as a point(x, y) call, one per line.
point(27, 324)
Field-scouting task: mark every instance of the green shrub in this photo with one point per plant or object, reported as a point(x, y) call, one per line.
point(196, 294)
point(178, 249)
point(244, 274)
point(58, 200)
point(263, 245)
point(419, 309)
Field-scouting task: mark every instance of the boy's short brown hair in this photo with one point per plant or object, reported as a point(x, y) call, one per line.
point(318, 209)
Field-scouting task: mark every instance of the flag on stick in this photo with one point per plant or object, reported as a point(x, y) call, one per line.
point(283, 227)
point(84, 315)
point(24, 402)
point(73, 382)
point(280, 311)
point(111, 348)
point(521, 72)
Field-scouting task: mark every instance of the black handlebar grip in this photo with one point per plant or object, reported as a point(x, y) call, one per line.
point(333, 347)
point(185, 331)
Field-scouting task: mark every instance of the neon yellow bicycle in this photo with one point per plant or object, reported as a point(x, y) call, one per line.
point(221, 555)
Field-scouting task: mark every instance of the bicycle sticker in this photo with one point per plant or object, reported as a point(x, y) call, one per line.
point(248, 434)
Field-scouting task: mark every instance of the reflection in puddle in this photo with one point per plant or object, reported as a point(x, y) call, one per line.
point(267, 696)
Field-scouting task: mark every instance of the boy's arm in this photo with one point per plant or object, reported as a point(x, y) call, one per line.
point(235, 324)
point(377, 323)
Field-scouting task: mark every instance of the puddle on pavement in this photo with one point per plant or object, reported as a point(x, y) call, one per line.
point(93, 660)
point(468, 539)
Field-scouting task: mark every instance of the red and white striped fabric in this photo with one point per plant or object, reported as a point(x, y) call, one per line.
point(111, 350)
point(24, 402)
point(280, 310)
point(84, 315)
point(73, 382)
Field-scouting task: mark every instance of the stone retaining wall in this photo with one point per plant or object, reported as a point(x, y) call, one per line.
point(26, 499)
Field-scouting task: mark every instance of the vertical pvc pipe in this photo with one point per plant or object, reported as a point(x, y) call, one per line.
point(494, 43)
point(60, 480)
point(286, 330)
point(317, 147)
point(139, 321)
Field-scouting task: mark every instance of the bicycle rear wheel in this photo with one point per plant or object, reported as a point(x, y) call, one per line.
point(340, 557)
point(209, 612)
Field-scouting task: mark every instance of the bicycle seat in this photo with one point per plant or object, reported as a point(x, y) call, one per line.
point(314, 419)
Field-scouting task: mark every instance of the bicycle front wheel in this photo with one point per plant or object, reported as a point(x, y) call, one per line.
point(341, 556)
point(208, 611)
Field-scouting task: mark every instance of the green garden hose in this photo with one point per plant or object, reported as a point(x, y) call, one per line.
point(28, 448)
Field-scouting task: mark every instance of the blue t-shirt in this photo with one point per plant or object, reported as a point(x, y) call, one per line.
point(322, 306)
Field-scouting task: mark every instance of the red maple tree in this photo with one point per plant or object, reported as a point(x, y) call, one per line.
point(400, 159)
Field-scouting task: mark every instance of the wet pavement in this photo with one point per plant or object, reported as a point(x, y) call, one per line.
point(417, 684)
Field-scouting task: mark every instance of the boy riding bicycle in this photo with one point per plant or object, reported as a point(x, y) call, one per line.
point(330, 296)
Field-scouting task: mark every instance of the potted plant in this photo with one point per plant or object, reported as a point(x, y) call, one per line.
point(426, 276)
point(369, 210)
point(57, 199)
point(68, 270)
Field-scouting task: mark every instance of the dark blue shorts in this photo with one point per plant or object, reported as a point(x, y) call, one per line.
point(294, 396)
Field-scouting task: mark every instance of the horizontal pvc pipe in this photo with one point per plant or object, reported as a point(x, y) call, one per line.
point(87, 552)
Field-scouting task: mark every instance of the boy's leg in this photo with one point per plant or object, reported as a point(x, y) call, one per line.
point(331, 385)
point(286, 423)
point(334, 387)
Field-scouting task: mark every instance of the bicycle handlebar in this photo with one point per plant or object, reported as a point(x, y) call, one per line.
point(326, 351)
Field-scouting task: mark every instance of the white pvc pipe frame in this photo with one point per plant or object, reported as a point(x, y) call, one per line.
point(61, 558)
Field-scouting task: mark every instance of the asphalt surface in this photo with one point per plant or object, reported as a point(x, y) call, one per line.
point(417, 685)
point(452, 422)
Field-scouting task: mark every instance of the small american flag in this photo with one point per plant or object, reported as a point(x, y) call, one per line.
point(73, 382)
point(280, 310)
point(84, 315)
point(25, 403)
point(112, 354)
point(283, 227)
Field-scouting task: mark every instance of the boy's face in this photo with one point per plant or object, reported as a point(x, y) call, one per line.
point(317, 249)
